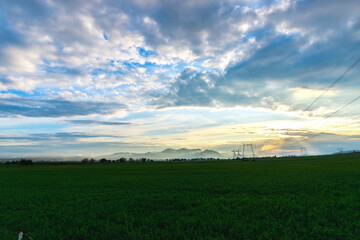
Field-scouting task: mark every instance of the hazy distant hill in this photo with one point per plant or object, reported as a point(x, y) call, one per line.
point(169, 153)
point(347, 151)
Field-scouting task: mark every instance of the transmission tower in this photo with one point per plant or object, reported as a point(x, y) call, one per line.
point(340, 150)
point(303, 151)
point(234, 153)
point(238, 153)
point(249, 146)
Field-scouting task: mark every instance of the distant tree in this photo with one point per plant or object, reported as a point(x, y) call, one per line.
point(122, 159)
point(25, 162)
point(103, 160)
point(143, 159)
point(85, 160)
point(131, 160)
point(92, 160)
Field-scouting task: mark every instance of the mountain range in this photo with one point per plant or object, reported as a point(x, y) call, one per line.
point(168, 153)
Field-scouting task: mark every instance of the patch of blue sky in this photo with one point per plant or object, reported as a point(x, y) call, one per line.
point(179, 67)
point(3, 20)
point(105, 37)
point(133, 65)
point(139, 115)
point(146, 53)
point(98, 71)
point(173, 130)
point(46, 62)
point(259, 4)
point(31, 127)
point(43, 92)
point(111, 62)
point(29, 94)
point(198, 62)
point(117, 72)
point(149, 66)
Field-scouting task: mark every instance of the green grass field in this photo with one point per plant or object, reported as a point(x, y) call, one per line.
point(294, 198)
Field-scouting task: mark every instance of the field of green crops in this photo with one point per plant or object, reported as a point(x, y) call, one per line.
point(294, 198)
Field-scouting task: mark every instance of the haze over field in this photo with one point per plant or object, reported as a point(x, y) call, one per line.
point(98, 77)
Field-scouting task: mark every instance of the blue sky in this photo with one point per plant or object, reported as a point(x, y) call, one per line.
point(97, 77)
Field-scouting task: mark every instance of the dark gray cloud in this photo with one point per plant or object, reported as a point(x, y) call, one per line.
point(192, 88)
point(96, 122)
point(66, 135)
point(60, 136)
point(9, 37)
point(5, 80)
point(296, 50)
point(267, 77)
point(63, 70)
point(10, 107)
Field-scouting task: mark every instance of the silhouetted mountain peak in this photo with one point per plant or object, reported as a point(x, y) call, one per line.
point(168, 150)
point(209, 151)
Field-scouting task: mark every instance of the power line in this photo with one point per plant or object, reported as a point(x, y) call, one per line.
point(338, 79)
point(318, 134)
point(334, 83)
point(330, 87)
point(341, 108)
point(329, 115)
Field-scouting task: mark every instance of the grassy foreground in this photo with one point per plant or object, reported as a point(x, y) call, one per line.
point(296, 198)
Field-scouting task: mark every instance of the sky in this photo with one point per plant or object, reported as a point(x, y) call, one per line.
point(91, 77)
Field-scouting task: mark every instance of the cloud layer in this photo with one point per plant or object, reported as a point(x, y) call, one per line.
point(200, 54)
point(93, 65)
point(10, 107)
